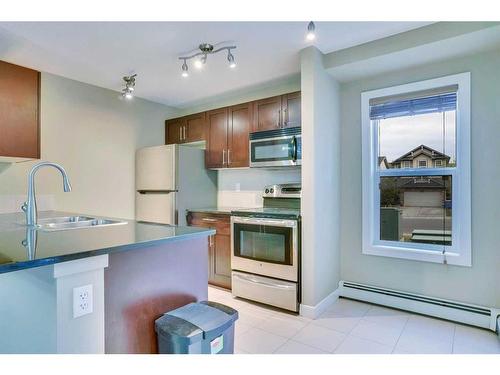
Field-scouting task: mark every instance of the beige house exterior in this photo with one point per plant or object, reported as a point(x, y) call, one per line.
point(422, 157)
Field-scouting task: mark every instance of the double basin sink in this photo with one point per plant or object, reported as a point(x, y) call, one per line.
point(75, 222)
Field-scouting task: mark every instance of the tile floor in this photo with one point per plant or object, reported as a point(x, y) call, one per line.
point(351, 327)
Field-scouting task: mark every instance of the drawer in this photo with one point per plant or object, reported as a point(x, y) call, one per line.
point(221, 223)
point(266, 290)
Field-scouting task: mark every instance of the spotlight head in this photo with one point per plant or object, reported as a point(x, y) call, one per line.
point(230, 58)
point(311, 35)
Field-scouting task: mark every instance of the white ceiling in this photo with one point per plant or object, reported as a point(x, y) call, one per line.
point(100, 53)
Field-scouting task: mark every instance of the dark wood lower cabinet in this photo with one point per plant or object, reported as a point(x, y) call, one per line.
point(219, 246)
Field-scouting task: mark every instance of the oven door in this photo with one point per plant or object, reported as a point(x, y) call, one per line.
point(276, 152)
point(267, 247)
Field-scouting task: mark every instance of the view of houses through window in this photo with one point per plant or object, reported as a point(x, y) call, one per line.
point(416, 207)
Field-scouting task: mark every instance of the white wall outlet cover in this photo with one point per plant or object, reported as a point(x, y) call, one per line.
point(82, 300)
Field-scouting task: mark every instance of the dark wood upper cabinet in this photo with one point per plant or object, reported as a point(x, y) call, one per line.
point(291, 109)
point(216, 152)
point(174, 131)
point(227, 130)
point(267, 114)
point(239, 128)
point(185, 129)
point(19, 112)
point(195, 127)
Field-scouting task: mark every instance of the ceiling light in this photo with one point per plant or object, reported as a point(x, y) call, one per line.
point(128, 90)
point(185, 69)
point(198, 64)
point(230, 58)
point(311, 35)
point(200, 57)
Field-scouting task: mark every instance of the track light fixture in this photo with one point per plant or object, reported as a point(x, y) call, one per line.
point(230, 58)
point(185, 69)
point(311, 31)
point(201, 57)
point(128, 91)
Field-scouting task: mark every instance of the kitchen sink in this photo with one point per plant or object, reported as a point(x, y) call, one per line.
point(75, 222)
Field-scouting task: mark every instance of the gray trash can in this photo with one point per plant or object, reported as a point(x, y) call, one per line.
point(197, 328)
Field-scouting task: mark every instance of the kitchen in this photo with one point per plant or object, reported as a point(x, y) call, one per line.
point(255, 191)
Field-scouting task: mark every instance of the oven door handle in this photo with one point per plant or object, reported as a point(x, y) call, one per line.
point(279, 223)
point(251, 279)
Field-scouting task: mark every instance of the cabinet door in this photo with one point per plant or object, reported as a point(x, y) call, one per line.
point(221, 271)
point(216, 153)
point(174, 131)
point(267, 114)
point(291, 110)
point(238, 135)
point(195, 127)
point(19, 111)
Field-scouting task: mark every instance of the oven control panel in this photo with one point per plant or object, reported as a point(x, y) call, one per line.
point(282, 191)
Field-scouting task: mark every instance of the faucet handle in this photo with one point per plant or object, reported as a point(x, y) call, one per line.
point(24, 207)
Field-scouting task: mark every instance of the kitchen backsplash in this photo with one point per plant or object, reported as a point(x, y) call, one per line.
point(243, 187)
point(13, 203)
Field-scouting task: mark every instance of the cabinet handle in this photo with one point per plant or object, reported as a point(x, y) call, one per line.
point(180, 133)
point(278, 123)
point(223, 157)
point(211, 241)
point(228, 156)
point(285, 117)
point(184, 131)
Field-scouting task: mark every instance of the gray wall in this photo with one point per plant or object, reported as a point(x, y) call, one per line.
point(320, 179)
point(478, 284)
point(254, 179)
point(94, 135)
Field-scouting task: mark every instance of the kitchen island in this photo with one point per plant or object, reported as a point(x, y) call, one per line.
point(136, 271)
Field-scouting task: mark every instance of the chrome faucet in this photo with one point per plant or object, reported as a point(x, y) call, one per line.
point(30, 205)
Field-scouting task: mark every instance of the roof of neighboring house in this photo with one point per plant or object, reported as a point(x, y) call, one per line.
point(421, 183)
point(383, 159)
point(422, 149)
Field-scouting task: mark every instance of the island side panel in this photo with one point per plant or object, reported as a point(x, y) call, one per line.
point(142, 284)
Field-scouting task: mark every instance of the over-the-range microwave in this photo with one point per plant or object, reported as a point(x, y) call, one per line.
point(276, 148)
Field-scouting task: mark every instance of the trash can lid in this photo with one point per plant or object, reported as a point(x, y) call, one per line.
point(197, 320)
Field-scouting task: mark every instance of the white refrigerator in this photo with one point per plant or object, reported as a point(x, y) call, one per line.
point(169, 180)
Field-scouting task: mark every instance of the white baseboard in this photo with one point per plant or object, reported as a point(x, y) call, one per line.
point(315, 311)
point(480, 316)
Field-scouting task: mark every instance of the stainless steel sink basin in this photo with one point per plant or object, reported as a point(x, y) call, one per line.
point(75, 222)
point(64, 219)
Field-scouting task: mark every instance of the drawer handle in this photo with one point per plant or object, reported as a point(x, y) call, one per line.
point(208, 219)
point(255, 281)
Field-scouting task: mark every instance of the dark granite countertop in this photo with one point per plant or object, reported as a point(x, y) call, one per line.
point(64, 245)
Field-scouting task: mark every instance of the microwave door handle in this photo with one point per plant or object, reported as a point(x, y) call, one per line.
point(294, 143)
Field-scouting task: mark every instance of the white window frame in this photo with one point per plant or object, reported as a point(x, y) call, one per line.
point(424, 166)
point(459, 253)
point(436, 163)
point(406, 164)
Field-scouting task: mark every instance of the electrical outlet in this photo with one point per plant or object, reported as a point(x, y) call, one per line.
point(82, 300)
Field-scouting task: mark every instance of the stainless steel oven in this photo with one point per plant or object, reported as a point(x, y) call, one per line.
point(264, 246)
point(276, 148)
point(265, 249)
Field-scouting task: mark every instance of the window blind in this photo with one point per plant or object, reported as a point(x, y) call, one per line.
point(415, 106)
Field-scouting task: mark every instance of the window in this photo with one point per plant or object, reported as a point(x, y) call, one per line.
point(418, 207)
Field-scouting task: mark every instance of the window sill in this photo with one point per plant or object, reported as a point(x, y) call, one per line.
point(418, 255)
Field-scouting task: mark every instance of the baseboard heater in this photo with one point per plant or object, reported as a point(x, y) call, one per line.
point(479, 316)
